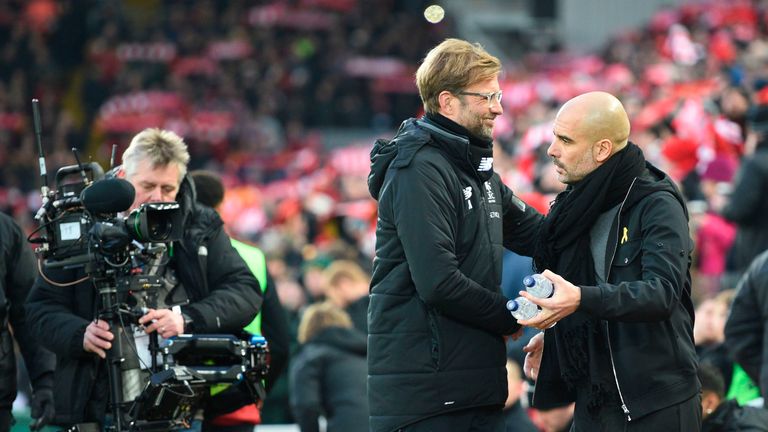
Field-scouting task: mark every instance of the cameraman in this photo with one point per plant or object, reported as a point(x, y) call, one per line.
point(17, 270)
point(202, 273)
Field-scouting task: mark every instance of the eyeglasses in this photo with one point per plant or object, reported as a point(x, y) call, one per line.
point(489, 96)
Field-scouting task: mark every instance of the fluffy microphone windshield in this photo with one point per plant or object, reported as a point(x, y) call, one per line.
point(108, 196)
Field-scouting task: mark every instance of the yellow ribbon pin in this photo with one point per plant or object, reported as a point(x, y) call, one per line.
point(625, 236)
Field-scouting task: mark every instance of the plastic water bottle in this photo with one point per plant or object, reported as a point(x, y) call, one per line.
point(538, 286)
point(522, 309)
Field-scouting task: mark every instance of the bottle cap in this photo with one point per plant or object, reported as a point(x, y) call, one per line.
point(512, 305)
point(529, 281)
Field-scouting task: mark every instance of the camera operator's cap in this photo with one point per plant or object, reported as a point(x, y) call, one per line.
point(757, 118)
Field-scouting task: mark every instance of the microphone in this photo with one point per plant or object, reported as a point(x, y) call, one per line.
point(108, 196)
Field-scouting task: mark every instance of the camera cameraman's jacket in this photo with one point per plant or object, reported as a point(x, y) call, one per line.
point(437, 316)
point(223, 297)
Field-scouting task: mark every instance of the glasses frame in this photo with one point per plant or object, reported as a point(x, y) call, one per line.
point(488, 96)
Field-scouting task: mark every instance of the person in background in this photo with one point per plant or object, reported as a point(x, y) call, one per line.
point(746, 329)
point(271, 322)
point(555, 418)
point(746, 205)
point(437, 318)
point(617, 248)
point(347, 287)
point(328, 375)
point(17, 274)
point(515, 417)
point(720, 415)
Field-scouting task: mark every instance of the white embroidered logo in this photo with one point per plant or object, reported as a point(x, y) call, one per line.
point(486, 164)
point(489, 193)
point(467, 196)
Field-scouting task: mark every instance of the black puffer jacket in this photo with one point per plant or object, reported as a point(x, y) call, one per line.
point(327, 377)
point(17, 273)
point(222, 292)
point(645, 308)
point(437, 316)
point(746, 329)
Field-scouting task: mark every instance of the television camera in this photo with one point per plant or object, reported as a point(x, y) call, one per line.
point(82, 228)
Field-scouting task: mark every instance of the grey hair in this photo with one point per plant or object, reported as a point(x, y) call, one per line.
point(158, 146)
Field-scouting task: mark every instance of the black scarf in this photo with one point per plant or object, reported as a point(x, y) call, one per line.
point(480, 149)
point(564, 247)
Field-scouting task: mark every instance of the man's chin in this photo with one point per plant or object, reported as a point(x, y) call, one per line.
point(484, 133)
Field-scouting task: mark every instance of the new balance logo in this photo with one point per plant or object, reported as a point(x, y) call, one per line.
point(486, 164)
point(467, 196)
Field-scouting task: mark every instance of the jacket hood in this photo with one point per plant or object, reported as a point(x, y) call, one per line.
point(346, 339)
point(400, 151)
point(412, 135)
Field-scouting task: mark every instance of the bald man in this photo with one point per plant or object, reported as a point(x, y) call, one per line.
point(616, 247)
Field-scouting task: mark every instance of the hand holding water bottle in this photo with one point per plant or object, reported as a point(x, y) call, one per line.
point(539, 286)
point(522, 308)
point(565, 299)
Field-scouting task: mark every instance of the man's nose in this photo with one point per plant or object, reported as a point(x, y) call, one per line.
point(156, 195)
point(496, 107)
point(551, 151)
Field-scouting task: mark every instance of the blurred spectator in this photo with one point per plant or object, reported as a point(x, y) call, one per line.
point(347, 288)
point(239, 413)
point(328, 375)
point(747, 324)
point(515, 417)
point(720, 415)
point(714, 235)
point(747, 206)
point(709, 335)
point(555, 419)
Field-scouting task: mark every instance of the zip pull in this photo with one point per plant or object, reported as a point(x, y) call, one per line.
point(626, 412)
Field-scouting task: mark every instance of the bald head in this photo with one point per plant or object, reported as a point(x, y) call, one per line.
point(598, 116)
point(588, 130)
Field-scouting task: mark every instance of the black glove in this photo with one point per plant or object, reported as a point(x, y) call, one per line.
point(42, 408)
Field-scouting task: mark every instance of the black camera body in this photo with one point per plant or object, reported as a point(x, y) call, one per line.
point(79, 222)
point(62, 214)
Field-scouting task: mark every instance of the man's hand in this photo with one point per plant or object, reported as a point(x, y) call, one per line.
point(166, 322)
point(97, 338)
point(514, 336)
point(563, 302)
point(42, 408)
point(534, 350)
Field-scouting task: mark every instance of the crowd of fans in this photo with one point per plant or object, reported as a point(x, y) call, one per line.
point(248, 84)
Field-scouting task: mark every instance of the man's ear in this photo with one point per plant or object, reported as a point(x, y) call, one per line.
point(120, 173)
point(603, 150)
point(447, 103)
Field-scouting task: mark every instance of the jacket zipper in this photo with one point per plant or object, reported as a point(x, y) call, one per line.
point(624, 407)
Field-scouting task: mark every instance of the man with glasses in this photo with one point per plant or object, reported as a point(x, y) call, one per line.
point(437, 318)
